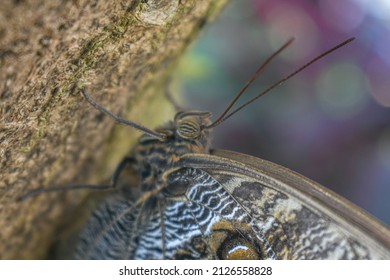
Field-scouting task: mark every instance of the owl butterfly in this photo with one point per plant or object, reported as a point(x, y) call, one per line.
point(193, 202)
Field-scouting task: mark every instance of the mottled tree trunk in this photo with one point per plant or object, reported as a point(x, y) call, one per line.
point(121, 52)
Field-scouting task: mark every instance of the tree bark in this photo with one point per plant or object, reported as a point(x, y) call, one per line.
point(121, 52)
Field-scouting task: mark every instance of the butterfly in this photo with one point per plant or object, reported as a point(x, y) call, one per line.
point(173, 197)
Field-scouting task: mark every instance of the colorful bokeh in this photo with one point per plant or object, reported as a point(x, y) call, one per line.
point(331, 122)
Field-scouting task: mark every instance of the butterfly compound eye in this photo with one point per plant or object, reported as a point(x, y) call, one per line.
point(188, 128)
point(189, 125)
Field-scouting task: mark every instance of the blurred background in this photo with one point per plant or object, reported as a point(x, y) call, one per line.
point(331, 122)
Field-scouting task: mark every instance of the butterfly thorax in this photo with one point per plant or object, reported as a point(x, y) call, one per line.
point(154, 157)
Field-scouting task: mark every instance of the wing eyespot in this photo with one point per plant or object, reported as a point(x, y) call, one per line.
point(236, 248)
point(232, 241)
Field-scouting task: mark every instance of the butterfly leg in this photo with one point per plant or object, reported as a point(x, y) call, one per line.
point(118, 171)
point(112, 185)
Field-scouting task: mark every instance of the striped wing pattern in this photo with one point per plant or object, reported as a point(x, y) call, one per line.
point(110, 231)
point(170, 227)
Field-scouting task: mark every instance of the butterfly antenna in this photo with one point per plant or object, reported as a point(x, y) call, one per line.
point(254, 77)
point(225, 117)
point(120, 120)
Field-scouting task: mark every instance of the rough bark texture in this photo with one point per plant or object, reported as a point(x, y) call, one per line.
point(120, 52)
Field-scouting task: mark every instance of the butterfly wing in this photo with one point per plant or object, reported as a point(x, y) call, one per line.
point(298, 218)
point(110, 232)
point(232, 206)
point(120, 229)
point(194, 217)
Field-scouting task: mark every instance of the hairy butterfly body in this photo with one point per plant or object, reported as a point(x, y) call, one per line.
point(191, 202)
